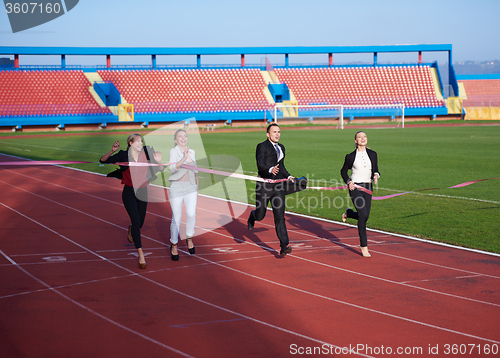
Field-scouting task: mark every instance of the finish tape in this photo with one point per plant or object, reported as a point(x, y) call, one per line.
point(235, 175)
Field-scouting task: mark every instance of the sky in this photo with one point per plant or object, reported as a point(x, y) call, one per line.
point(472, 27)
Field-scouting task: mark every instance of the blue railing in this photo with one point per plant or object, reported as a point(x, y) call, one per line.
point(88, 68)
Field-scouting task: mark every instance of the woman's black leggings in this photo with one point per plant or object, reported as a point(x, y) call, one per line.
point(362, 202)
point(136, 210)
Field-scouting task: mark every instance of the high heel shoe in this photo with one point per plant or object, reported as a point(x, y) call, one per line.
point(191, 250)
point(174, 257)
point(142, 266)
point(344, 217)
point(129, 235)
point(364, 251)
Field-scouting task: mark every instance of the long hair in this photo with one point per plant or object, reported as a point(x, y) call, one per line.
point(131, 138)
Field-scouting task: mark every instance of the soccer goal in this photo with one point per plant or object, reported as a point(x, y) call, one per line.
point(395, 113)
point(311, 111)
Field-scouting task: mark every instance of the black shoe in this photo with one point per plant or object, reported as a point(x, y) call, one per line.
point(285, 250)
point(174, 257)
point(250, 221)
point(192, 250)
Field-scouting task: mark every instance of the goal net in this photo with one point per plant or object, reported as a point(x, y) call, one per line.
point(310, 111)
point(394, 113)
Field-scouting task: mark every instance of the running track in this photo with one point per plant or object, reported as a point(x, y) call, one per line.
point(70, 285)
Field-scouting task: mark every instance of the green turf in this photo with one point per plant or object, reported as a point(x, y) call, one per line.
point(409, 159)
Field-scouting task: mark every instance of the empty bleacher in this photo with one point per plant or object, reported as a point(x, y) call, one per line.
point(481, 93)
point(173, 91)
point(38, 93)
point(362, 86)
point(185, 90)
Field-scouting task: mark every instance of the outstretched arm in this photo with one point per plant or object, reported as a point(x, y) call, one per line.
point(114, 148)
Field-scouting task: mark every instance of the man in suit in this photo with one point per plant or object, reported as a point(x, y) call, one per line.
point(270, 157)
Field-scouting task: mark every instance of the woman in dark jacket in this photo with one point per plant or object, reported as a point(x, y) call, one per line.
point(135, 179)
point(364, 169)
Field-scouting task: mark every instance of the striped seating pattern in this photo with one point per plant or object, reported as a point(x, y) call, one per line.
point(214, 90)
point(46, 93)
point(409, 85)
point(482, 87)
point(482, 93)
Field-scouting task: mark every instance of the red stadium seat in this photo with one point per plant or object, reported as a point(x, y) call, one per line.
point(39, 88)
point(351, 84)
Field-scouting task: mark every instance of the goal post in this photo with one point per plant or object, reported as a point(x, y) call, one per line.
point(396, 112)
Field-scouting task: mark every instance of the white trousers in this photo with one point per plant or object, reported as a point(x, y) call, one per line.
point(187, 193)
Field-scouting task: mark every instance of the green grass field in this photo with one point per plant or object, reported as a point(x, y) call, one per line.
point(409, 159)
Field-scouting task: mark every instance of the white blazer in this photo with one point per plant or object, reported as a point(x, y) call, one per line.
point(176, 156)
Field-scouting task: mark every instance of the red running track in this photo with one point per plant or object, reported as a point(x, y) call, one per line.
point(70, 285)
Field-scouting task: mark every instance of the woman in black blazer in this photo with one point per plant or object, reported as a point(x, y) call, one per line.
point(364, 169)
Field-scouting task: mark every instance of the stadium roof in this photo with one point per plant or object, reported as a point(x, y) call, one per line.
point(130, 51)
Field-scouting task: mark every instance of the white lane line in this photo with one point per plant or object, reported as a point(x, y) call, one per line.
point(335, 268)
point(160, 285)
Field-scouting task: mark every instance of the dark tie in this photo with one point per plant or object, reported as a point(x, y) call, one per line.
point(276, 146)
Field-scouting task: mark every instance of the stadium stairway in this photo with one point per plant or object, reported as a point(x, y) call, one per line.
point(95, 77)
point(267, 78)
point(435, 82)
point(271, 77)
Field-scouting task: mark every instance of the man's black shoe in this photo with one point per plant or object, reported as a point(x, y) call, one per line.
point(250, 221)
point(285, 250)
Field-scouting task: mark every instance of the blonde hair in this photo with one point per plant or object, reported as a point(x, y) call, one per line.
point(177, 131)
point(131, 138)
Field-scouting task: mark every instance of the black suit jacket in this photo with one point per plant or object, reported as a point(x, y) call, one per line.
point(267, 157)
point(349, 161)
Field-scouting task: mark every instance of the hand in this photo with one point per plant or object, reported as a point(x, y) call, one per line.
point(375, 179)
point(292, 179)
point(275, 169)
point(351, 185)
point(157, 157)
point(116, 146)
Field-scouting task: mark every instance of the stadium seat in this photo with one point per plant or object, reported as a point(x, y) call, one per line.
point(354, 85)
point(188, 86)
point(35, 89)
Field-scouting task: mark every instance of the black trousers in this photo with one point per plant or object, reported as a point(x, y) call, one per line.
point(362, 202)
point(136, 210)
point(275, 193)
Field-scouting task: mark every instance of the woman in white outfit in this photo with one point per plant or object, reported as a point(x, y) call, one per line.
point(183, 188)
